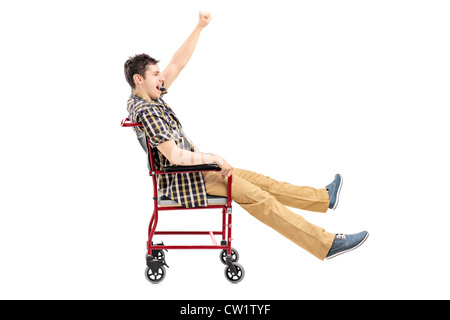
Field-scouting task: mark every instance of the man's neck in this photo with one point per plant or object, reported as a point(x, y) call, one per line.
point(142, 95)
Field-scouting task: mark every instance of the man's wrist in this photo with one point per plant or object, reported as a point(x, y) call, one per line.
point(208, 158)
point(219, 159)
point(215, 158)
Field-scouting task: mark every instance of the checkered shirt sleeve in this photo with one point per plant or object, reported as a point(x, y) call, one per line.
point(155, 126)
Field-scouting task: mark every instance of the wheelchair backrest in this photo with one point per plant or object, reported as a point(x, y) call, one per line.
point(142, 138)
point(143, 141)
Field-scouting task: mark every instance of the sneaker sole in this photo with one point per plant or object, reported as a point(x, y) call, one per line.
point(348, 250)
point(338, 193)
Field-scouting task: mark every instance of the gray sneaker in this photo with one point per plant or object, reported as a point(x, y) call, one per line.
point(346, 242)
point(334, 190)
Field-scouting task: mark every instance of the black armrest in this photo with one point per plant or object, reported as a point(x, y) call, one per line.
point(201, 167)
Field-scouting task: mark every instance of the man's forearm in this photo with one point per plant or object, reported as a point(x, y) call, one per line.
point(184, 53)
point(178, 156)
point(186, 158)
point(181, 157)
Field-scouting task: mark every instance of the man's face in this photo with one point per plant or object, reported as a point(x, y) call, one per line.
point(153, 81)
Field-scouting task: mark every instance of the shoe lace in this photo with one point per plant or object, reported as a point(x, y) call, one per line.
point(340, 236)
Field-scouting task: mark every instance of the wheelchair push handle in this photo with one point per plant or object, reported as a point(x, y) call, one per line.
point(127, 123)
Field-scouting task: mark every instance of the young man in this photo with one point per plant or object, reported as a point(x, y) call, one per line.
point(263, 197)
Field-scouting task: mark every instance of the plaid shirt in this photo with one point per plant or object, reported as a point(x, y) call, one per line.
point(161, 124)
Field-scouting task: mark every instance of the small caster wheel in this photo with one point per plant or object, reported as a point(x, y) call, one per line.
point(234, 256)
point(234, 277)
point(155, 276)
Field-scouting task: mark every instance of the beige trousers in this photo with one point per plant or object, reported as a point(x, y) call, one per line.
point(266, 198)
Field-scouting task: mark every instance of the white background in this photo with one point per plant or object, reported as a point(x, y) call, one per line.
point(297, 90)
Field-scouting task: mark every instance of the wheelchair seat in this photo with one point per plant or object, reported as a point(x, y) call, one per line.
point(164, 201)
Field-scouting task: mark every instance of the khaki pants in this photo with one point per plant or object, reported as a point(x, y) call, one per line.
point(266, 198)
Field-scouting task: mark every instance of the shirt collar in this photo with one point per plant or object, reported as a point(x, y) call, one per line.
point(159, 101)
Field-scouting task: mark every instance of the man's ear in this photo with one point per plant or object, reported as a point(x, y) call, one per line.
point(138, 79)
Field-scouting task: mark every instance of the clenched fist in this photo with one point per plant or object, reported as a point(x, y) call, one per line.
point(204, 18)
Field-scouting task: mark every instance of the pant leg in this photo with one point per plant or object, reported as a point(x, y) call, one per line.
point(266, 208)
point(305, 198)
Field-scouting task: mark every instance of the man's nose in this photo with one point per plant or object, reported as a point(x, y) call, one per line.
point(162, 78)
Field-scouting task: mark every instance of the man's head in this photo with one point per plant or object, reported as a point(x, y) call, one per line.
point(143, 76)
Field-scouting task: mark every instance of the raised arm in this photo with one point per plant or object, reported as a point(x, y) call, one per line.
point(184, 53)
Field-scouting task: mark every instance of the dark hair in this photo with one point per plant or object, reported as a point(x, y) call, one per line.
point(136, 65)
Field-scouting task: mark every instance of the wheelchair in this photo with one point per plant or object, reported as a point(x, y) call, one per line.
point(155, 256)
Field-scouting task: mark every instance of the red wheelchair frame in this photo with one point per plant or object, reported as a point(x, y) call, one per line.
point(155, 271)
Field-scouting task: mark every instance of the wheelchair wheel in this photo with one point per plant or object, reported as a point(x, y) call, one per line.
point(232, 276)
point(155, 277)
point(234, 256)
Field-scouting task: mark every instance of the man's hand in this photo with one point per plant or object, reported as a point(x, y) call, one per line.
point(203, 19)
point(227, 169)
